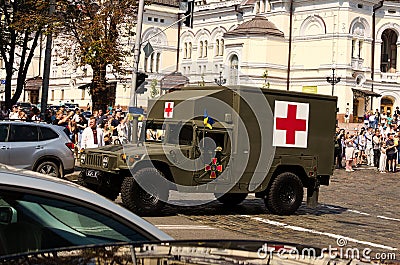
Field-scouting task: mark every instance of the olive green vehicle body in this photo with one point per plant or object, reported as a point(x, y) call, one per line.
point(313, 165)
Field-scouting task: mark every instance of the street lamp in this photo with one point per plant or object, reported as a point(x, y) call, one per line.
point(220, 81)
point(333, 80)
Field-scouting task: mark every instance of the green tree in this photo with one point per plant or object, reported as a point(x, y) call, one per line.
point(22, 23)
point(100, 31)
point(153, 88)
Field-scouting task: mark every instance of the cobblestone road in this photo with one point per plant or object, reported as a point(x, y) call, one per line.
point(358, 210)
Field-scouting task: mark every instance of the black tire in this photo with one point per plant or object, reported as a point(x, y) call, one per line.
point(49, 168)
point(231, 199)
point(285, 195)
point(117, 142)
point(136, 199)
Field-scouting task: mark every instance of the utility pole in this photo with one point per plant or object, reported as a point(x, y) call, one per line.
point(133, 99)
point(47, 62)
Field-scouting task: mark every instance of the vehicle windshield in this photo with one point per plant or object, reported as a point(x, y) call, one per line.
point(169, 133)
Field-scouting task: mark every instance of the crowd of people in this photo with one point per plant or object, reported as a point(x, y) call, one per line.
point(98, 130)
point(376, 144)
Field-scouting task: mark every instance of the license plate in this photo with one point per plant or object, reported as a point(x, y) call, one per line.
point(92, 173)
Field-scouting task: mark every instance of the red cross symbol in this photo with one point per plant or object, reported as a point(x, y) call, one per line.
point(291, 124)
point(214, 168)
point(168, 109)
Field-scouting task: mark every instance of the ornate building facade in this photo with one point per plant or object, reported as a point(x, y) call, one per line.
point(290, 44)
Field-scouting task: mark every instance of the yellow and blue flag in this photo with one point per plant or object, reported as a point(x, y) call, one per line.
point(208, 121)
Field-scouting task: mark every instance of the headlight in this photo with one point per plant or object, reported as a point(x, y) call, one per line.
point(105, 162)
point(83, 158)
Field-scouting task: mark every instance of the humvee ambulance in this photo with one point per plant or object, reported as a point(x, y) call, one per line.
point(224, 142)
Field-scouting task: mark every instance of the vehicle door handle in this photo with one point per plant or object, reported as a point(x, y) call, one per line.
point(39, 147)
point(4, 148)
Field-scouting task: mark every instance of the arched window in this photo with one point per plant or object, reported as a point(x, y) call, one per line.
point(205, 48)
point(217, 48)
point(201, 49)
point(233, 70)
point(222, 47)
point(190, 50)
point(158, 62)
point(185, 51)
point(151, 62)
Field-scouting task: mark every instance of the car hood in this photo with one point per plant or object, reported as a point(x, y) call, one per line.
point(133, 149)
point(188, 252)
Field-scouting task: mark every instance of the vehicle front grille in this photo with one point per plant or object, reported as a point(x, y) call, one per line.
point(94, 160)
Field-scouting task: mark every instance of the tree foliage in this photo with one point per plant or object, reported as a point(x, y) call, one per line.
point(100, 31)
point(22, 23)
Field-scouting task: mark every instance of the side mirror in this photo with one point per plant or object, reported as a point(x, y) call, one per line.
point(8, 215)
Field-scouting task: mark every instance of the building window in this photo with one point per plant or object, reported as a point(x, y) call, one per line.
point(201, 49)
point(189, 51)
point(185, 51)
point(149, 18)
point(151, 62)
point(62, 94)
point(83, 94)
point(161, 20)
point(158, 62)
point(216, 47)
point(155, 19)
point(360, 46)
point(221, 49)
point(233, 70)
point(353, 48)
point(52, 95)
point(205, 48)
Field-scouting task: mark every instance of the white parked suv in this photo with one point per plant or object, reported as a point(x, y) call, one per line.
point(36, 146)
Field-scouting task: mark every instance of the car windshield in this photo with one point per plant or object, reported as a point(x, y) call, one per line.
point(169, 133)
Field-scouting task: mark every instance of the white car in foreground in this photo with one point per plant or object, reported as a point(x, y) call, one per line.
point(39, 213)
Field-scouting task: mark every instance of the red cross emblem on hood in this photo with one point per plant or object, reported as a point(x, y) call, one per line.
point(214, 167)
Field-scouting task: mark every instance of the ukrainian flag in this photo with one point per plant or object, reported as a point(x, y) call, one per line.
point(208, 121)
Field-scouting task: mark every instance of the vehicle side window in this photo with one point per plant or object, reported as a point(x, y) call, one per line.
point(3, 132)
point(47, 134)
point(23, 133)
point(42, 223)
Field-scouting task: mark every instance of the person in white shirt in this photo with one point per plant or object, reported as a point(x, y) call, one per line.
point(92, 136)
point(14, 115)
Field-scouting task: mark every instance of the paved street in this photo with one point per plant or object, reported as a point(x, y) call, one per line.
point(358, 210)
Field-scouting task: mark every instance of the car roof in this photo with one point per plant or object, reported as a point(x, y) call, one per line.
point(43, 124)
point(32, 180)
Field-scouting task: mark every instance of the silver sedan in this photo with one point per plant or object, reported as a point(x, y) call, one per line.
point(39, 213)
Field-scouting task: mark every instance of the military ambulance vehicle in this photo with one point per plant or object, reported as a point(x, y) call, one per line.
point(224, 142)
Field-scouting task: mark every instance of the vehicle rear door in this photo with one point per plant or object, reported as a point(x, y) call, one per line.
point(25, 147)
point(4, 144)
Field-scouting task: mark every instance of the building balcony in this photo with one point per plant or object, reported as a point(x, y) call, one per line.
point(390, 77)
point(357, 63)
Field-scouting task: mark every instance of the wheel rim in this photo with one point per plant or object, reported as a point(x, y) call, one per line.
point(48, 170)
point(288, 195)
point(150, 198)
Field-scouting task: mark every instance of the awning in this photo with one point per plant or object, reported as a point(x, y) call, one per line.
point(173, 81)
point(364, 93)
point(33, 84)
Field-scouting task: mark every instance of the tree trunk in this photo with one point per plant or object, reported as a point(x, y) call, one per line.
point(103, 94)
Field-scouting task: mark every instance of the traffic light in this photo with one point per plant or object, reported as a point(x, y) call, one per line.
point(188, 21)
point(141, 82)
